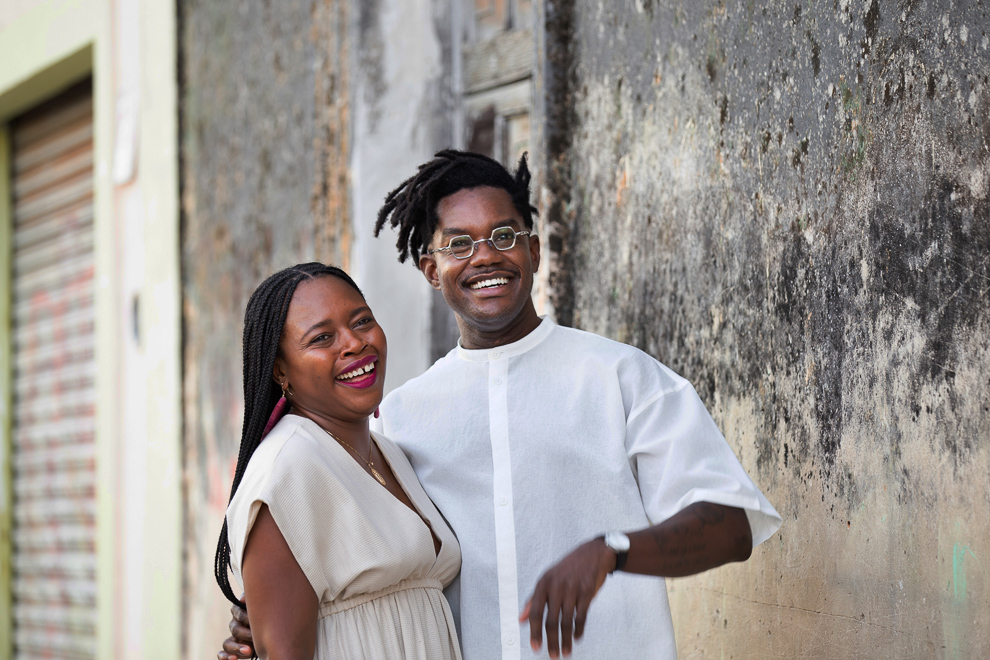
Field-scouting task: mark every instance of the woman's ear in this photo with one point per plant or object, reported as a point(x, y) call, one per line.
point(278, 373)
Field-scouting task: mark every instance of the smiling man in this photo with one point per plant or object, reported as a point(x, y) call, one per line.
point(568, 465)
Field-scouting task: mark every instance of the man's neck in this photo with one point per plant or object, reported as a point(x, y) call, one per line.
point(474, 337)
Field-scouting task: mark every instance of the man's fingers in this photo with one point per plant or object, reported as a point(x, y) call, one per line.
point(553, 624)
point(525, 613)
point(581, 616)
point(566, 630)
point(567, 621)
point(536, 606)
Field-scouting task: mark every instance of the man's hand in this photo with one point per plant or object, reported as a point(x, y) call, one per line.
point(240, 645)
point(697, 538)
point(565, 592)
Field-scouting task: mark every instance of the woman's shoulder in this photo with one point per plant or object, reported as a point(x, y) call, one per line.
point(272, 456)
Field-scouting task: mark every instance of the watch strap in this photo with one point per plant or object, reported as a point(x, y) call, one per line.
point(620, 546)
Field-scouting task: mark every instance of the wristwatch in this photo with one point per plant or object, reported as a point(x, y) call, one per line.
point(618, 543)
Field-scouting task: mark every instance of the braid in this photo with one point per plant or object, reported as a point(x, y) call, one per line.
point(412, 207)
point(264, 319)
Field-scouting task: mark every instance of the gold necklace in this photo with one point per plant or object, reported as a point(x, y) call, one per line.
point(371, 465)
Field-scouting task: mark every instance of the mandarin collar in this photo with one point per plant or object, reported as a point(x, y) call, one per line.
point(541, 332)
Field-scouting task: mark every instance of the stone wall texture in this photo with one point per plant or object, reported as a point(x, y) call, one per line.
point(264, 134)
point(787, 202)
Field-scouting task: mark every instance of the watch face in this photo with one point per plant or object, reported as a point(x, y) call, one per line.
point(617, 541)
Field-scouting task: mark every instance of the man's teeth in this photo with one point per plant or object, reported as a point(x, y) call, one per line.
point(357, 372)
point(495, 281)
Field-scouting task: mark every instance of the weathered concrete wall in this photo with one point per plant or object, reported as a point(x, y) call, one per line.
point(787, 202)
point(402, 115)
point(264, 136)
point(298, 117)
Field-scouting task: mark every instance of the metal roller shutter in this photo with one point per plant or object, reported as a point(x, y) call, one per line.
point(54, 560)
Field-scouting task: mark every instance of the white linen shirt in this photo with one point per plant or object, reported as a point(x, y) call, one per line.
point(533, 448)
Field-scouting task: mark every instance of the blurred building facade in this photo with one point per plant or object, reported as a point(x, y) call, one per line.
point(788, 204)
point(91, 462)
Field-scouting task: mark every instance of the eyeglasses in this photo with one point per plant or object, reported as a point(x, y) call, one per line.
point(462, 247)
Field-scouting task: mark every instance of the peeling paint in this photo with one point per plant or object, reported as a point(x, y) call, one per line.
point(959, 553)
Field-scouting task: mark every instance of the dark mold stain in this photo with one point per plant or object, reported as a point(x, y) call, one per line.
point(561, 124)
point(934, 265)
point(871, 22)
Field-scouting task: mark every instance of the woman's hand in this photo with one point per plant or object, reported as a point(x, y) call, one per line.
point(284, 607)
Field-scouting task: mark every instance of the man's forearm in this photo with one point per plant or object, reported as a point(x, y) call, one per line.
point(700, 537)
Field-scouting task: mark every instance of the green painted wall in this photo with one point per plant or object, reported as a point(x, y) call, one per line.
point(6, 486)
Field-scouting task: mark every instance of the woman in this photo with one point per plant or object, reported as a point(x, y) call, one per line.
point(340, 552)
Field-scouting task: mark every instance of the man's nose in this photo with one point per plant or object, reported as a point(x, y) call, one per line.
point(485, 252)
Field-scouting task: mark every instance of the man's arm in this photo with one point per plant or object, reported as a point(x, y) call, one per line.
point(698, 538)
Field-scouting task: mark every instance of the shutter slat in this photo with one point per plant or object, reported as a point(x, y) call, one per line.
point(35, 127)
point(75, 273)
point(75, 190)
point(38, 153)
point(51, 225)
point(70, 165)
point(73, 350)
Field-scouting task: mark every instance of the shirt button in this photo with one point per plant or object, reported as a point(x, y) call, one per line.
point(510, 641)
point(496, 355)
point(503, 501)
point(498, 381)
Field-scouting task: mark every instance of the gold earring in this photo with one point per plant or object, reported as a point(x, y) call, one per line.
point(285, 392)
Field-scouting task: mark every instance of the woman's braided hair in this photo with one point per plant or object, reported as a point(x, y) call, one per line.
point(412, 207)
point(264, 319)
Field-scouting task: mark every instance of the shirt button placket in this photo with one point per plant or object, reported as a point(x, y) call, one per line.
point(505, 536)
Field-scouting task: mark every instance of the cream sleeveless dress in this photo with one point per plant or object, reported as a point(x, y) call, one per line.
point(369, 558)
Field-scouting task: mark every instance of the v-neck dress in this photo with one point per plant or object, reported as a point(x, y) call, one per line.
point(369, 557)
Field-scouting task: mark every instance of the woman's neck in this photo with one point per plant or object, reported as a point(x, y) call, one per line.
point(356, 432)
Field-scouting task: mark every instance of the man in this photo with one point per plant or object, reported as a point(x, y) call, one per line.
point(559, 458)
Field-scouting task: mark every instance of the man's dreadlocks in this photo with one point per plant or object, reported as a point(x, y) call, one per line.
point(412, 207)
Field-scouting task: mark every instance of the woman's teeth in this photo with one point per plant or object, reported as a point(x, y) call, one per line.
point(357, 372)
point(495, 281)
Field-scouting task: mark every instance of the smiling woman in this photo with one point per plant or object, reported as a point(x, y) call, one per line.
point(338, 549)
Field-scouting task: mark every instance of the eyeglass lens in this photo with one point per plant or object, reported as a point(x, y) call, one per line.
point(503, 238)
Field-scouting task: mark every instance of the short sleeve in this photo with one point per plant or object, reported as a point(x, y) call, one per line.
point(291, 488)
point(682, 458)
point(299, 502)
